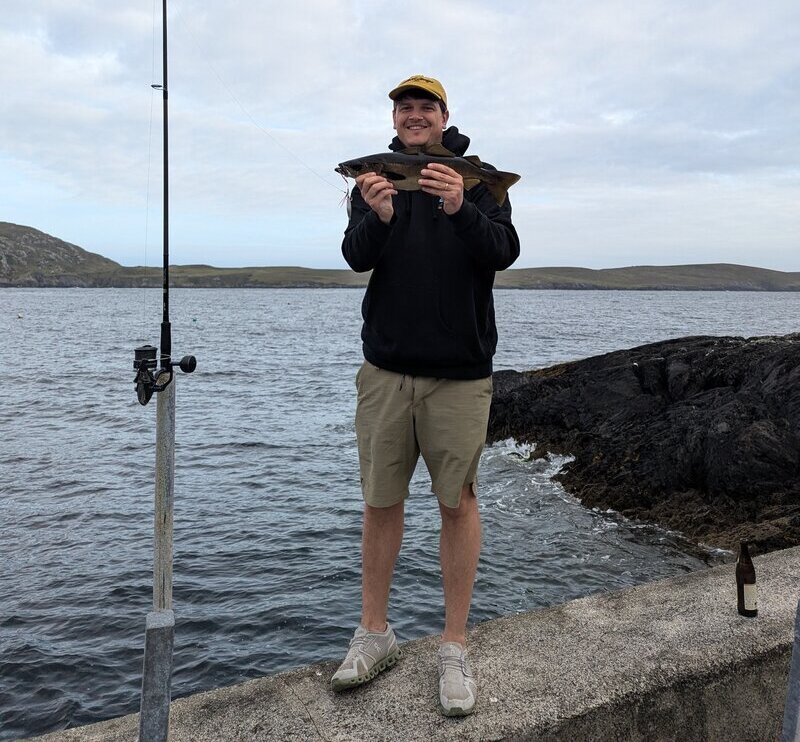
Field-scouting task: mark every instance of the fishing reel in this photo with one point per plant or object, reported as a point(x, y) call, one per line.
point(146, 381)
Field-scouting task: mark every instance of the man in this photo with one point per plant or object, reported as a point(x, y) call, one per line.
point(425, 387)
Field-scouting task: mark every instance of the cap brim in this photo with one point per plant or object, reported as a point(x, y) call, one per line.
point(398, 91)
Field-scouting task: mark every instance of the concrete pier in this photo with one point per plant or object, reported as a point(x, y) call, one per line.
point(159, 641)
point(662, 661)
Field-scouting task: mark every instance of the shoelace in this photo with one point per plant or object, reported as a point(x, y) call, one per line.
point(451, 662)
point(356, 645)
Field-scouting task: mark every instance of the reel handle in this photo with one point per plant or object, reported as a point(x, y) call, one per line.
point(187, 364)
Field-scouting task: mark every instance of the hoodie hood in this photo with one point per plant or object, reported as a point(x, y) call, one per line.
point(452, 139)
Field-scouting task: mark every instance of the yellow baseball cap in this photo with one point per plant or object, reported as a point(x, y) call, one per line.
point(420, 82)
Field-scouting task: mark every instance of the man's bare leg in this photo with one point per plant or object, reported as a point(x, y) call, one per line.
point(459, 548)
point(381, 538)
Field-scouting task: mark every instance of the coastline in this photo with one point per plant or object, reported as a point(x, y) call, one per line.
point(698, 434)
point(31, 258)
point(520, 279)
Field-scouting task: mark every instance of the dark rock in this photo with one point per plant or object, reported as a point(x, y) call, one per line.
point(700, 434)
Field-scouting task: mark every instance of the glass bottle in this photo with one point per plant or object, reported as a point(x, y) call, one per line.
point(746, 583)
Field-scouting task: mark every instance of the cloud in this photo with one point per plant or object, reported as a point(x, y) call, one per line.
point(642, 130)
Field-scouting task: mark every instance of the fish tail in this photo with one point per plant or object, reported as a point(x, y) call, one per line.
point(500, 184)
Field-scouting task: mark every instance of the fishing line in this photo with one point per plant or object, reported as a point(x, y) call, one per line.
point(252, 119)
point(149, 168)
point(147, 209)
point(178, 15)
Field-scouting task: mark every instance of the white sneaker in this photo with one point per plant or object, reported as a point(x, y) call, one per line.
point(370, 652)
point(457, 687)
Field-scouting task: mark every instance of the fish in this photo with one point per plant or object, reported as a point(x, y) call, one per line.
point(403, 169)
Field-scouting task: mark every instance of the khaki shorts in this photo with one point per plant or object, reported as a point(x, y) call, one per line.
point(398, 417)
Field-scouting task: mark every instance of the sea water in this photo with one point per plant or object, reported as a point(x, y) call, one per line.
point(267, 501)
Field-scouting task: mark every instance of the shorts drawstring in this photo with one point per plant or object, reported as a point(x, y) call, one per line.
point(403, 383)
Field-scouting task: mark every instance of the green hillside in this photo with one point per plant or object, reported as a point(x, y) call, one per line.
point(32, 258)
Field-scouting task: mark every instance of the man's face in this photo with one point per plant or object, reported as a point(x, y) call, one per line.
point(418, 121)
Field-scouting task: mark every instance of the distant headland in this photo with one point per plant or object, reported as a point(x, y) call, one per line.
point(33, 259)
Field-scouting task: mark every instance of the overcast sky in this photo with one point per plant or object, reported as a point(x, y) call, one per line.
point(646, 132)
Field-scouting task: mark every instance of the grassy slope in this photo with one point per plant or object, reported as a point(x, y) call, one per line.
point(29, 257)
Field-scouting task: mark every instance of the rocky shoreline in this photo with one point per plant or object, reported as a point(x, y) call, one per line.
point(697, 434)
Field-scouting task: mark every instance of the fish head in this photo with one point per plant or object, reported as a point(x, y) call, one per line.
point(359, 166)
point(401, 169)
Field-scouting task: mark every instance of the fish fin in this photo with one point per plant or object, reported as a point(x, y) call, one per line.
point(471, 183)
point(500, 184)
point(406, 183)
point(474, 159)
point(438, 150)
point(411, 151)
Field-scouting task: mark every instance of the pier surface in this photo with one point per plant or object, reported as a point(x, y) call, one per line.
point(661, 661)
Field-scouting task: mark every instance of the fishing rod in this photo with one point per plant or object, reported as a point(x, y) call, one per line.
point(145, 356)
point(160, 622)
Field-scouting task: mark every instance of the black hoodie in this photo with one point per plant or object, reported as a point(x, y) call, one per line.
point(428, 308)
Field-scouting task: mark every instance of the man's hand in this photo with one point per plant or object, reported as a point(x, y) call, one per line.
point(377, 191)
point(440, 180)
